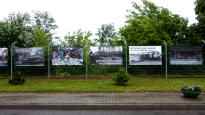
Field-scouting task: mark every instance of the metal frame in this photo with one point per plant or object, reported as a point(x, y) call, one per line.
point(85, 53)
point(126, 57)
point(49, 68)
point(87, 56)
point(86, 62)
point(166, 69)
point(11, 59)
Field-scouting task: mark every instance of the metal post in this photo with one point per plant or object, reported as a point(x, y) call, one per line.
point(165, 44)
point(11, 50)
point(12, 62)
point(86, 60)
point(86, 68)
point(125, 54)
point(49, 60)
point(203, 41)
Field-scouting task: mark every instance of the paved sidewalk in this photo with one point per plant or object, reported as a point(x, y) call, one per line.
point(137, 100)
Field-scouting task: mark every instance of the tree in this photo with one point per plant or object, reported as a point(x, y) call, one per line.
point(150, 24)
point(77, 39)
point(200, 11)
point(27, 31)
point(16, 28)
point(41, 38)
point(195, 37)
point(44, 21)
point(199, 28)
point(46, 24)
point(105, 34)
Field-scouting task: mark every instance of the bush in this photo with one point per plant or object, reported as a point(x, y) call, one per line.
point(61, 72)
point(17, 80)
point(191, 92)
point(121, 78)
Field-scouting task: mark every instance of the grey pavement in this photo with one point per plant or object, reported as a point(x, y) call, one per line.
point(99, 112)
point(136, 100)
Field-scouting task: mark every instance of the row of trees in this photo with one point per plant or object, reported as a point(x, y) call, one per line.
point(25, 30)
point(146, 24)
point(149, 24)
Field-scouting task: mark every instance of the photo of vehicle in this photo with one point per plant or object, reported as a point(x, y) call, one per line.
point(145, 55)
point(186, 56)
point(29, 57)
point(106, 55)
point(67, 56)
point(3, 57)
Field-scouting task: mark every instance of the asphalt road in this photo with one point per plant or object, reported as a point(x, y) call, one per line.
point(99, 112)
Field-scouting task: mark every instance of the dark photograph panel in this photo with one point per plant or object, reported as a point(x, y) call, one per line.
point(186, 56)
point(106, 55)
point(29, 57)
point(145, 55)
point(3, 57)
point(67, 56)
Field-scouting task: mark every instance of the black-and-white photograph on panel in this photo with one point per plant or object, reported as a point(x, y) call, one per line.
point(3, 57)
point(106, 55)
point(67, 56)
point(145, 55)
point(29, 56)
point(186, 56)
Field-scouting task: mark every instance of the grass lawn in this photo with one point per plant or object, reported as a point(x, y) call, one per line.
point(136, 84)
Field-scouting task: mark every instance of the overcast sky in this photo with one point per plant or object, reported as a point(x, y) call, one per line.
point(71, 15)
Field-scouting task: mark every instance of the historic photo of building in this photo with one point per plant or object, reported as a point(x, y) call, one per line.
point(29, 57)
point(3, 57)
point(186, 56)
point(145, 55)
point(67, 56)
point(106, 55)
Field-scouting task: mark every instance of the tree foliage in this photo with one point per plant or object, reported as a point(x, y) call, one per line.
point(77, 39)
point(106, 33)
point(44, 21)
point(150, 24)
point(16, 28)
point(199, 29)
point(27, 31)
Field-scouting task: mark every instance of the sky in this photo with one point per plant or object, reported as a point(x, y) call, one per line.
point(88, 15)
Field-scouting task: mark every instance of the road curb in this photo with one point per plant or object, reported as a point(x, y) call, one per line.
point(105, 107)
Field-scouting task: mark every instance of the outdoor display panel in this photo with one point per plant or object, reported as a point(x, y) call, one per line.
point(3, 57)
point(145, 55)
point(29, 57)
point(67, 56)
point(186, 56)
point(106, 55)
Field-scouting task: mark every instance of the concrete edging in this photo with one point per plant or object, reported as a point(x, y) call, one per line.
point(106, 107)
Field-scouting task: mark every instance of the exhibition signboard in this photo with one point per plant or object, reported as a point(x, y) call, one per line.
point(29, 56)
point(3, 57)
point(145, 55)
point(67, 56)
point(106, 55)
point(186, 56)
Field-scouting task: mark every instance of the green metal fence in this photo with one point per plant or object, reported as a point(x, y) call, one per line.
point(88, 69)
